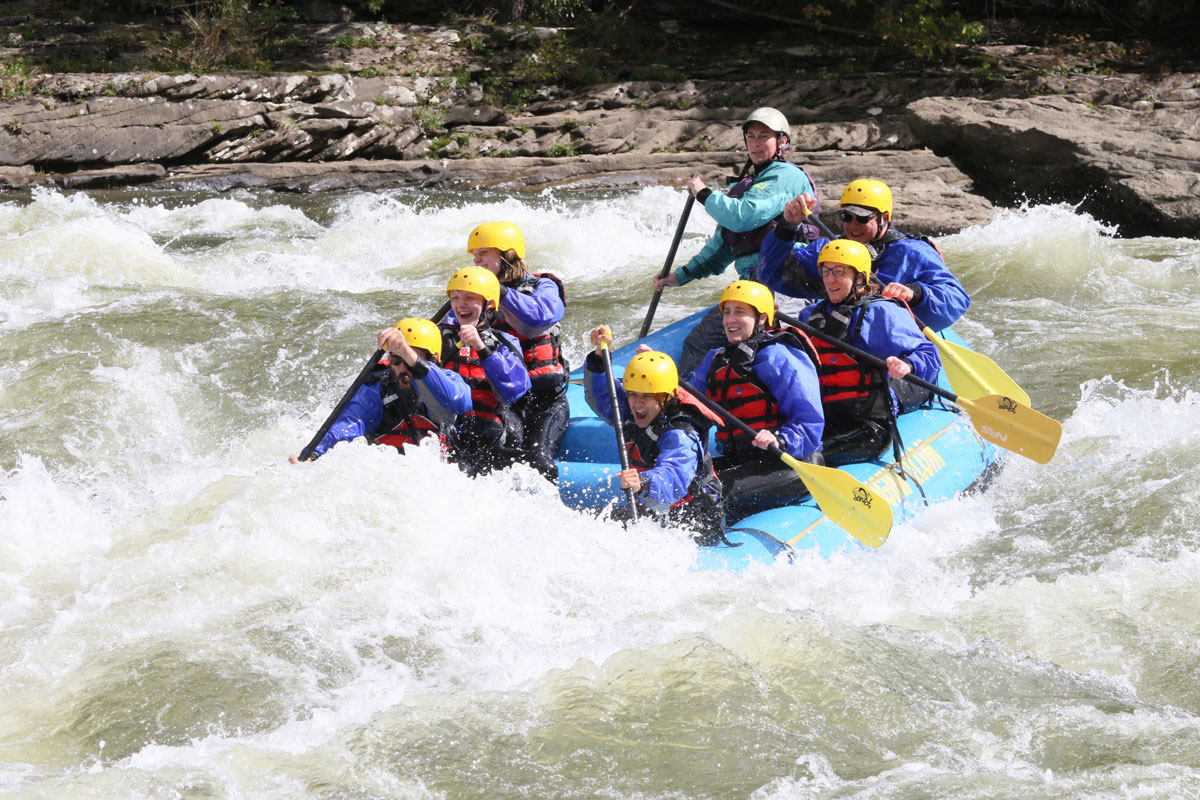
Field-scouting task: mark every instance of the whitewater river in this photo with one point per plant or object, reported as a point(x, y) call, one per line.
point(183, 614)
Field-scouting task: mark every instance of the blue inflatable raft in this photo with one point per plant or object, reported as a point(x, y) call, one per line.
point(943, 456)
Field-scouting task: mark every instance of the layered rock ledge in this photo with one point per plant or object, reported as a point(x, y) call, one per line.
point(1123, 147)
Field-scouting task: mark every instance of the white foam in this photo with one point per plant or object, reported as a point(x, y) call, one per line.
point(158, 381)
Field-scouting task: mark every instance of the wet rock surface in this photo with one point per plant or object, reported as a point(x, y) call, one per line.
point(1125, 146)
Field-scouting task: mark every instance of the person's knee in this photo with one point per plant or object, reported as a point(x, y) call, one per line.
point(864, 442)
point(909, 396)
point(544, 463)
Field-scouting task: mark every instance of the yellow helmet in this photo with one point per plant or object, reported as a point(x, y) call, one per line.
point(651, 373)
point(424, 334)
point(869, 195)
point(849, 252)
point(503, 236)
point(477, 280)
point(752, 294)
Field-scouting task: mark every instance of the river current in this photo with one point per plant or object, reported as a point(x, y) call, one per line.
point(183, 614)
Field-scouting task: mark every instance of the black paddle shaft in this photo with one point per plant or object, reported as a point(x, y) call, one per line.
point(371, 365)
point(616, 412)
point(863, 355)
point(687, 209)
point(367, 369)
point(822, 226)
point(727, 415)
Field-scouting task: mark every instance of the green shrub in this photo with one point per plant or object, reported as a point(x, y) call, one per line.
point(436, 145)
point(427, 118)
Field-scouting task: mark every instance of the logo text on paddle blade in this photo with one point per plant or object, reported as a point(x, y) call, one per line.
point(861, 495)
point(1007, 404)
point(993, 434)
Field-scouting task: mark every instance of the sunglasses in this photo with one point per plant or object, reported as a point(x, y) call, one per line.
point(837, 272)
point(849, 216)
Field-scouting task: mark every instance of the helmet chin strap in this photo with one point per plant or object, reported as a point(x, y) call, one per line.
point(859, 283)
point(780, 147)
point(884, 224)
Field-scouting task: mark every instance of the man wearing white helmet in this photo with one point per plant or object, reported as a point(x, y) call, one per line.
point(745, 215)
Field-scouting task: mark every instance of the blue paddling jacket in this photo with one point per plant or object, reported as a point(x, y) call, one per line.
point(939, 299)
point(681, 453)
point(532, 309)
point(536, 311)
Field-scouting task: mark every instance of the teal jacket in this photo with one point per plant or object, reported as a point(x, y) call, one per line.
point(773, 187)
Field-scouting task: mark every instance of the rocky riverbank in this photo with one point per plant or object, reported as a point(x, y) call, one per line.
point(1047, 124)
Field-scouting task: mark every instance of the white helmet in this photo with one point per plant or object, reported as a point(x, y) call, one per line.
point(773, 118)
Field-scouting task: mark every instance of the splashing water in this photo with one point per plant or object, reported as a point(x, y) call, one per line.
point(184, 614)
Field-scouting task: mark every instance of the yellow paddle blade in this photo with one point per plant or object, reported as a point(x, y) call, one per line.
point(1014, 426)
point(973, 375)
point(846, 500)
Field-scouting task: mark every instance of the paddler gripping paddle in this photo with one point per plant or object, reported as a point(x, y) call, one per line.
point(368, 368)
point(998, 418)
point(973, 375)
point(687, 209)
point(843, 498)
point(616, 413)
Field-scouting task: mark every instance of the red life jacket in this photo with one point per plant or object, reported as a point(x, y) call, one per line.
point(542, 353)
point(733, 384)
point(848, 389)
point(410, 430)
point(464, 360)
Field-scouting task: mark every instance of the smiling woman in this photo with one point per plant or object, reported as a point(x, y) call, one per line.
point(670, 474)
point(766, 379)
point(745, 215)
point(860, 403)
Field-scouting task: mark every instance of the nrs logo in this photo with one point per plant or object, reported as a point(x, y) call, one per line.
point(992, 434)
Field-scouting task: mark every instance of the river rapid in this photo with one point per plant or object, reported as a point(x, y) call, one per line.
point(183, 614)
